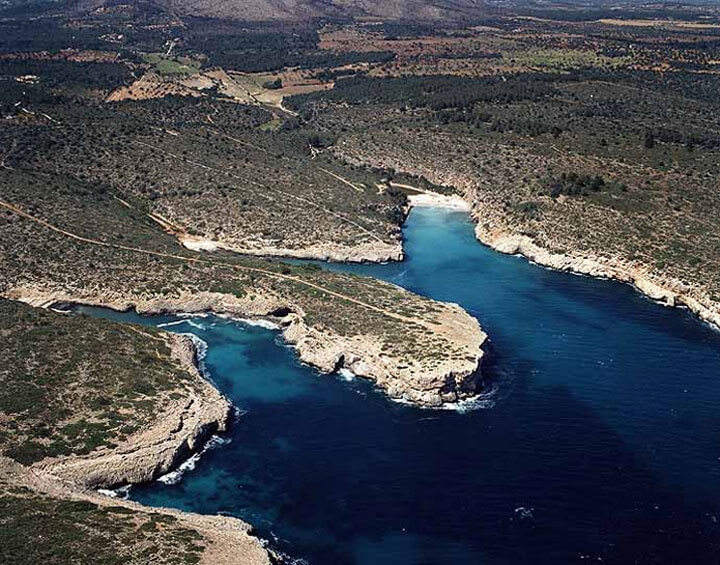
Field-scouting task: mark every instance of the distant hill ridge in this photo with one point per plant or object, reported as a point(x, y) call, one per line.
point(289, 10)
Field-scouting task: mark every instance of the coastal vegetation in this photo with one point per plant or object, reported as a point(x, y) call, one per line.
point(74, 389)
point(121, 258)
point(612, 160)
point(165, 161)
point(185, 157)
point(83, 532)
point(61, 399)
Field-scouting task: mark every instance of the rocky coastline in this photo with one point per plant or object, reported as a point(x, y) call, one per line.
point(147, 454)
point(450, 381)
point(365, 252)
point(505, 240)
point(227, 541)
point(183, 427)
point(663, 290)
point(178, 431)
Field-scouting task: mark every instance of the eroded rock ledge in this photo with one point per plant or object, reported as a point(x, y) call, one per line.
point(179, 431)
point(424, 382)
point(225, 541)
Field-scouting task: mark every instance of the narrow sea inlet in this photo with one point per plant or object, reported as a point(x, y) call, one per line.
point(597, 439)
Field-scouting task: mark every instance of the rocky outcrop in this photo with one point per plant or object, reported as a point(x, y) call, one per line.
point(227, 541)
point(449, 380)
point(177, 433)
point(667, 291)
point(418, 381)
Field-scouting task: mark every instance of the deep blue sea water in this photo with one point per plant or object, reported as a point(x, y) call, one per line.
point(598, 440)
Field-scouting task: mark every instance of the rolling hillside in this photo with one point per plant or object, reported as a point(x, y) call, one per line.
point(261, 10)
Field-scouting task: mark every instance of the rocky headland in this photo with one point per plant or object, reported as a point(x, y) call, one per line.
point(422, 381)
point(98, 423)
point(219, 540)
point(182, 427)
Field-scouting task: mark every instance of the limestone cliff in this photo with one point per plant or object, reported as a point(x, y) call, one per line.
point(425, 381)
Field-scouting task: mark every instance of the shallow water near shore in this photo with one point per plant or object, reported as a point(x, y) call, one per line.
point(598, 439)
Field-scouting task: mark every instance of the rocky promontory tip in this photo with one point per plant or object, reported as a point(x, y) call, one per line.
point(119, 404)
point(180, 428)
point(427, 359)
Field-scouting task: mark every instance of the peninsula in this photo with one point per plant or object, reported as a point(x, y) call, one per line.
point(178, 157)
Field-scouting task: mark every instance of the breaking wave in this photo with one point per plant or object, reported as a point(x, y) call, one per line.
point(174, 477)
point(123, 493)
point(267, 324)
point(201, 349)
point(346, 374)
point(483, 401)
point(168, 324)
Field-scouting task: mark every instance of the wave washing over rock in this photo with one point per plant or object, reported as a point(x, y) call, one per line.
point(346, 374)
point(255, 322)
point(123, 493)
point(201, 349)
point(174, 477)
point(483, 401)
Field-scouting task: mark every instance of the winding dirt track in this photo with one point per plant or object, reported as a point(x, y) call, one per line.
point(266, 188)
point(48, 225)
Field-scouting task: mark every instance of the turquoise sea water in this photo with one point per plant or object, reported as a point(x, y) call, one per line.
point(597, 439)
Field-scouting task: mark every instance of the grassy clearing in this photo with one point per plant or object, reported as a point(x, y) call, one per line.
point(168, 65)
point(272, 125)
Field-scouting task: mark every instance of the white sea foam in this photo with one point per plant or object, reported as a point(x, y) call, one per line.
point(238, 412)
point(122, 493)
point(346, 374)
point(173, 477)
point(483, 401)
point(188, 321)
point(168, 324)
point(525, 512)
point(192, 314)
point(201, 348)
point(283, 557)
point(267, 324)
